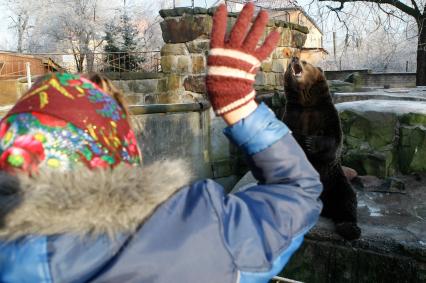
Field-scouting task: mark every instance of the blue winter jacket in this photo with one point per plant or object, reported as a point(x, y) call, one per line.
point(121, 227)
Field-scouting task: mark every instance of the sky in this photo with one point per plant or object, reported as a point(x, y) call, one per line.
point(5, 35)
point(8, 37)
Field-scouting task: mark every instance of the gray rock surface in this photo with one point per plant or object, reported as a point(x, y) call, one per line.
point(392, 247)
point(383, 137)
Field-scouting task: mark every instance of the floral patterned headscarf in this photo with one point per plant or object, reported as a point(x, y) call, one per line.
point(66, 120)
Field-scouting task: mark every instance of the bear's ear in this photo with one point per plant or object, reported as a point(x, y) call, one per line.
point(321, 70)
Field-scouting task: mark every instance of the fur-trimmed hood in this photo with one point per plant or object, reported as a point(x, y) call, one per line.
point(84, 201)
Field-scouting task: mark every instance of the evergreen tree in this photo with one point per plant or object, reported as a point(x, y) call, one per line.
point(129, 34)
point(121, 46)
point(112, 58)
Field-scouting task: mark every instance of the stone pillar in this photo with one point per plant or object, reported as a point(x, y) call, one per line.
point(186, 33)
point(271, 74)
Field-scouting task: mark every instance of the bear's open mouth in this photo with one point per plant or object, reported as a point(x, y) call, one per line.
point(297, 70)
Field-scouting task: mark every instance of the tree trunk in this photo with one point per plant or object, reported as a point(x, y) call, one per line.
point(20, 39)
point(79, 60)
point(21, 26)
point(90, 60)
point(421, 53)
point(80, 63)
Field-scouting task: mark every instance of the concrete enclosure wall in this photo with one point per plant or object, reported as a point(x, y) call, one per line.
point(10, 91)
point(370, 79)
point(170, 136)
point(193, 135)
point(390, 80)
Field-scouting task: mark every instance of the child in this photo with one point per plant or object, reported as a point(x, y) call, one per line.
point(66, 120)
point(109, 88)
point(149, 224)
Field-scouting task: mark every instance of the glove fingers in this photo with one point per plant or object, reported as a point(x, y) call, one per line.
point(270, 43)
point(256, 31)
point(239, 31)
point(226, 86)
point(219, 27)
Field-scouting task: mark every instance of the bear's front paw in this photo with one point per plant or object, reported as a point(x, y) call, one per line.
point(348, 230)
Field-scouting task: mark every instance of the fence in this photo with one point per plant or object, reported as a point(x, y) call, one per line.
point(13, 65)
point(120, 62)
point(145, 62)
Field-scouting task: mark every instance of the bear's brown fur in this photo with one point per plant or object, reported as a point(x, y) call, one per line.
point(315, 123)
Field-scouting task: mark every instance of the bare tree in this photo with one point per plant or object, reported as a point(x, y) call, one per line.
point(77, 26)
point(394, 8)
point(379, 50)
point(148, 21)
point(22, 12)
point(365, 37)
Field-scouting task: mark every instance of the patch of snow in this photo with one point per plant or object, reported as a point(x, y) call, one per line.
point(374, 211)
point(397, 90)
point(385, 106)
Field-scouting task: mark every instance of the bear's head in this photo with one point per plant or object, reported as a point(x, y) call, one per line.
point(305, 84)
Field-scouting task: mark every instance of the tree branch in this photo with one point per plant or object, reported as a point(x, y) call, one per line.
point(415, 6)
point(397, 4)
point(390, 13)
point(336, 9)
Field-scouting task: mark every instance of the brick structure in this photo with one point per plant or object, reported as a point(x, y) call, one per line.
point(186, 33)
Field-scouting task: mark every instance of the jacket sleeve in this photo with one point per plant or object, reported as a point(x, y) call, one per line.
point(263, 225)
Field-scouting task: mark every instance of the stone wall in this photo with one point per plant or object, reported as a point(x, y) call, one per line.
point(324, 261)
point(186, 33)
point(144, 90)
point(390, 80)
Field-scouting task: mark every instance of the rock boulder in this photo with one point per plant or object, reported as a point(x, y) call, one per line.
point(382, 137)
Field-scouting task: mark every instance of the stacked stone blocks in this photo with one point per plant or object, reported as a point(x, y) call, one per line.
point(186, 33)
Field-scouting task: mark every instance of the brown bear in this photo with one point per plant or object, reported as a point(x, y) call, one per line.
point(315, 123)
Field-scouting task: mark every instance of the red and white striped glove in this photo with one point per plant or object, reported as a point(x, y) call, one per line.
point(233, 63)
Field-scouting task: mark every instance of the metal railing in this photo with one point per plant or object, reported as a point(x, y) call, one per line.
point(169, 108)
point(146, 62)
